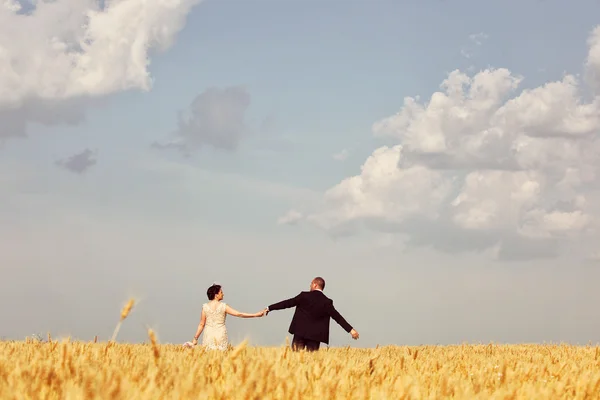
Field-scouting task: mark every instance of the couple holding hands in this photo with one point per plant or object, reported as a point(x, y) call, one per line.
point(310, 324)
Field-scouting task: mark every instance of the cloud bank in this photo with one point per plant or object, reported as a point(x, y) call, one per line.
point(481, 167)
point(57, 56)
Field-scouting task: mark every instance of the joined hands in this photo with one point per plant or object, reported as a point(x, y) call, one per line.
point(261, 313)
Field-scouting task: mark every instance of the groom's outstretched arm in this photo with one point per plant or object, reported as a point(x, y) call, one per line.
point(289, 303)
point(337, 317)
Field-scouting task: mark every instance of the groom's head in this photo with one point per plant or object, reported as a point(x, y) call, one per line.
point(317, 283)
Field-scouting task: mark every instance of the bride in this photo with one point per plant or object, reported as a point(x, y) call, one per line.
point(212, 320)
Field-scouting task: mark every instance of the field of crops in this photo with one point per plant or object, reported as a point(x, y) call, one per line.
point(76, 370)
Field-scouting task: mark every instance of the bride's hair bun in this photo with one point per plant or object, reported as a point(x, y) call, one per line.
point(212, 291)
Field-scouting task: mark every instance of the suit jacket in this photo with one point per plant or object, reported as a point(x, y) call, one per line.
point(312, 315)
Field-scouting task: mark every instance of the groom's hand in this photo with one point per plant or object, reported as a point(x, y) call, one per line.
point(266, 311)
point(354, 334)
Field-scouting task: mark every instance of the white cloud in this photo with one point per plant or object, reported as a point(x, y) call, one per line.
point(480, 167)
point(341, 156)
point(69, 50)
point(555, 109)
point(416, 191)
point(593, 59)
point(291, 218)
point(482, 202)
point(440, 126)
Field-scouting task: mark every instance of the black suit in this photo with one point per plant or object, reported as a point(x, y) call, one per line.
point(310, 324)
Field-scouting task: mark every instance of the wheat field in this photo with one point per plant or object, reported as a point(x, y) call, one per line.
point(65, 370)
point(79, 370)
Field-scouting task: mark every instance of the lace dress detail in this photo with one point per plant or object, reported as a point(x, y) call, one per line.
point(215, 332)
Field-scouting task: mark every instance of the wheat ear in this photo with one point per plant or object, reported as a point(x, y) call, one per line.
point(124, 313)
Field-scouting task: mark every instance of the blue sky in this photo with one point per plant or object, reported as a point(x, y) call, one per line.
point(319, 75)
point(325, 72)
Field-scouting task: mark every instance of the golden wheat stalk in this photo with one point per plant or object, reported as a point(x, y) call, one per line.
point(154, 342)
point(124, 313)
point(238, 349)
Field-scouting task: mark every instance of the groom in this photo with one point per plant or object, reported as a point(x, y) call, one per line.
point(310, 324)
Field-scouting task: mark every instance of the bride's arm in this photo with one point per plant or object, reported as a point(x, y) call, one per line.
point(200, 327)
point(236, 313)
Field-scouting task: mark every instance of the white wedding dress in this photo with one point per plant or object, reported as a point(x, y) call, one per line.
point(215, 333)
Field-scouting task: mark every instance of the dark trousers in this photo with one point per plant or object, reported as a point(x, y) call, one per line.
point(300, 343)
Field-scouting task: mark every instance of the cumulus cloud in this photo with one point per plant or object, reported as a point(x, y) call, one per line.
point(215, 118)
point(593, 59)
point(56, 54)
point(481, 167)
point(79, 162)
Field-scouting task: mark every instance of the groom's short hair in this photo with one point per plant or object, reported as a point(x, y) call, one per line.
point(320, 282)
